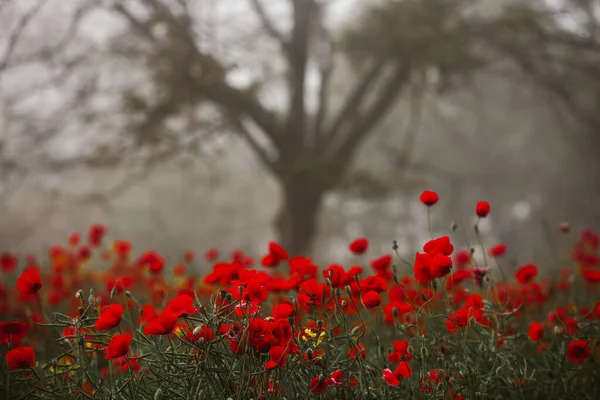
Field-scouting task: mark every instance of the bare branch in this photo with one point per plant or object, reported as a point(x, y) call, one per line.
point(241, 128)
point(353, 103)
point(268, 25)
point(326, 68)
point(367, 120)
point(15, 35)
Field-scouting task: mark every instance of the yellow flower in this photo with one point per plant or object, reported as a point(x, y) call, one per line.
point(310, 334)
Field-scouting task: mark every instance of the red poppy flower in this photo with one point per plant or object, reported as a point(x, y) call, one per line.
point(29, 282)
point(8, 262)
point(578, 351)
point(282, 310)
point(20, 358)
point(318, 384)
point(440, 245)
point(497, 250)
point(482, 209)
point(382, 266)
point(371, 299)
point(357, 351)
point(110, 317)
point(336, 378)
point(118, 346)
point(526, 273)
point(96, 234)
point(359, 246)
point(153, 260)
point(278, 356)
point(163, 324)
point(278, 251)
point(536, 331)
point(591, 275)
point(13, 332)
point(429, 198)
point(403, 371)
point(211, 255)
point(427, 268)
point(182, 305)
point(400, 351)
point(204, 333)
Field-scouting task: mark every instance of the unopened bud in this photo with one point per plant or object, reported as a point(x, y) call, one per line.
point(472, 250)
point(196, 330)
point(395, 245)
point(79, 294)
point(291, 320)
point(229, 297)
point(309, 353)
point(424, 352)
point(223, 294)
point(356, 278)
point(320, 323)
point(454, 226)
point(113, 292)
point(395, 312)
point(330, 274)
point(348, 289)
point(344, 303)
point(240, 289)
point(127, 293)
point(328, 282)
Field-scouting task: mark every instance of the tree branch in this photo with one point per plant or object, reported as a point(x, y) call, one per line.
point(269, 27)
point(239, 127)
point(15, 35)
point(366, 122)
point(352, 104)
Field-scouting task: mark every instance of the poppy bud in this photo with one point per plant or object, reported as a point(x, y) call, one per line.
point(320, 323)
point(113, 292)
point(454, 226)
point(228, 297)
point(344, 303)
point(395, 245)
point(348, 289)
point(291, 320)
point(330, 274)
point(309, 353)
point(240, 289)
point(196, 330)
point(223, 294)
point(395, 312)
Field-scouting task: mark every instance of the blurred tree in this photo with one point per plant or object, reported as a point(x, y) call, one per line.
point(307, 147)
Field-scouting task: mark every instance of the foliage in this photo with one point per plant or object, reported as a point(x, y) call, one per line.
point(449, 330)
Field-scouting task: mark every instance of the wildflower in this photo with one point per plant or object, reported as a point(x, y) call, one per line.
point(13, 332)
point(278, 356)
point(8, 262)
point(526, 273)
point(402, 371)
point(163, 324)
point(20, 358)
point(182, 305)
point(429, 198)
point(359, 246)
point(400, 352)
point(282, 310)
point(211, 255)
point(110, 317)
point(497, 250)
point(371, 299)
point(536, 331)
point(122, 248)
point(336, 378)
point(318, 384)
point(118, 346)
point(357, 351)
point(578, 351)
point(440, 245)
point(382, 266)
point(96, 234)
point(482, 209)
point(154, 261)
point(29, 282)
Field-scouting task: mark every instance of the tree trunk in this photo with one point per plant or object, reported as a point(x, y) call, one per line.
point(298, 217)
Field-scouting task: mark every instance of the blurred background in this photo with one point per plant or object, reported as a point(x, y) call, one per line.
point(191, 124)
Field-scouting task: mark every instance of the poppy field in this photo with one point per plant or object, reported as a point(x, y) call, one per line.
point(98, 320)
